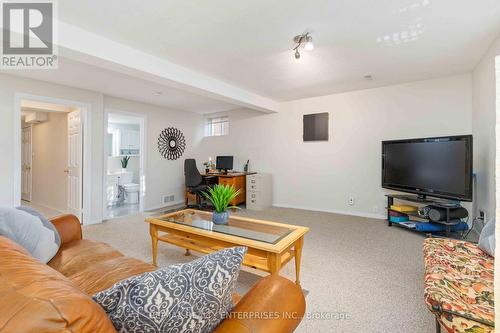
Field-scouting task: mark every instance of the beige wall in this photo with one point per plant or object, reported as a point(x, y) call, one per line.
point(163, 177)
point(50, 159)
point(319, 176)
point(483, 125)
point(323, 175)
point(9, 87)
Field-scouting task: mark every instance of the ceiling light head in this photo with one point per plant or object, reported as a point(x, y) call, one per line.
point(157, 93)
point(304, 41)
point(309, 46)
point(297, 54)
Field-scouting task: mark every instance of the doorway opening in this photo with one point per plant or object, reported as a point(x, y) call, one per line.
point(51, 158)
point(124, 159)
point(50, 165)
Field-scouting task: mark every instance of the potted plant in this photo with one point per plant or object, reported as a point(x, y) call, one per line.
point(209, 165)
point(221, 196)
point(124, 162)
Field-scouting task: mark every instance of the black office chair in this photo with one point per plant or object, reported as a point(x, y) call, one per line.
point(194, 182)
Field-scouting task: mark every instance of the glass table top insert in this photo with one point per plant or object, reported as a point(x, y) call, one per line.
point(261, 232)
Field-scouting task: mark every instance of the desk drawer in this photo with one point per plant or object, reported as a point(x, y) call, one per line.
point(252, 195)
point(253, 183)
point(226, 181)
point(254, 200)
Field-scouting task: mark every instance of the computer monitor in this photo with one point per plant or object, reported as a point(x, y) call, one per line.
point(224, 163)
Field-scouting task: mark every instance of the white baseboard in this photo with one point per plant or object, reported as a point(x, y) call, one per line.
point(93, 222)
point(58, 210)
point(329, 210)
point(173, 203)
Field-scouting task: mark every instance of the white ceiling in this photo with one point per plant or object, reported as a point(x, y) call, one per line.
point(247, 43)
point(112, 83)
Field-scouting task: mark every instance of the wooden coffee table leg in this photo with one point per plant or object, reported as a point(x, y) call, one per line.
point(154, 242)
point(298, 257)
point(274, 262)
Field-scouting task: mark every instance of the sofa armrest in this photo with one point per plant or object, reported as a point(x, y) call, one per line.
point(68, 226)
point(274, 304)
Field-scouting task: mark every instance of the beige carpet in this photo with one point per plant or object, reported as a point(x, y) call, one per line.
point(352, 265)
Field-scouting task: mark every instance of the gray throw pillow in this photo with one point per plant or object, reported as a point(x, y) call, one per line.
point(193, 297)
point(46, 223)
point(30, 232)
point(487, 238)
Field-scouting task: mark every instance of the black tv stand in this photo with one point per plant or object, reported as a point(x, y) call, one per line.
point(422, 199)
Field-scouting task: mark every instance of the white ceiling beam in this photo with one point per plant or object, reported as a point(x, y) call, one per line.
point(81, 45)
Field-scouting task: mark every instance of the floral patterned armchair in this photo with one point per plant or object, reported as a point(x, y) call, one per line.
point(459, 286)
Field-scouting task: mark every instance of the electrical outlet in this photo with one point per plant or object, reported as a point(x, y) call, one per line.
point(351, 201)
point(168, 198)
point(482, 215)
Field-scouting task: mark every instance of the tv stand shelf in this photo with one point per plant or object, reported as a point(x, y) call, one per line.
point(447, 205)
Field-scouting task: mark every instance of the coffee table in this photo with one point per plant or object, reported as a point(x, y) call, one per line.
point(270, 245)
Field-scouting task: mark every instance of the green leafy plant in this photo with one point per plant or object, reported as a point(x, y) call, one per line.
point(124, 161)
point(220, 196)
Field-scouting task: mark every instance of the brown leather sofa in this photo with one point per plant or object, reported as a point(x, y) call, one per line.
point(39, 298)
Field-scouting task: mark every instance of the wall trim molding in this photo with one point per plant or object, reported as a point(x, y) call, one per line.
point(335, 211)
point(94, 222)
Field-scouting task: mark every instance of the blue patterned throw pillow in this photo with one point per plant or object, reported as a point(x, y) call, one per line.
point(193, 297)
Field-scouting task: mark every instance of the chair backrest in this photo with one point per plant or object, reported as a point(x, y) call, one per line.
point(191, 173)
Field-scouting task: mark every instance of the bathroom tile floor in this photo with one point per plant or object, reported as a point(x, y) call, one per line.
point(123, 210)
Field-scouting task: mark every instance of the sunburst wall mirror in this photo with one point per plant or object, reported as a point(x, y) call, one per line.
point(171, 143)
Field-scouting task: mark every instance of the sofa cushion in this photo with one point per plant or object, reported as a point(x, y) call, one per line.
point(34, 298)
point(95, 266)
point(30, 232)
point(79, 255)
point(104, 274)
point(192, 297)
point(459, 285)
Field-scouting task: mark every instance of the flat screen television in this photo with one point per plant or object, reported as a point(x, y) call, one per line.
point(439, 167)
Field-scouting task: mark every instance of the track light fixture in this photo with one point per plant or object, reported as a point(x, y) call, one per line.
point(304, 40)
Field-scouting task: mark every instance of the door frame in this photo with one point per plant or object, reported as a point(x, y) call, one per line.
point(31, 162)
point(86, 170)
point(142, 117)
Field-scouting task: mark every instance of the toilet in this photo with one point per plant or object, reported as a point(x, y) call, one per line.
point(131, 189)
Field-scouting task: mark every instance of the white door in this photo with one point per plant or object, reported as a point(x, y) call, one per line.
point(26, 158)
point(74, 170)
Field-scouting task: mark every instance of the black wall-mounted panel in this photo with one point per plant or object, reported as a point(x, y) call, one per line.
point(316, 127)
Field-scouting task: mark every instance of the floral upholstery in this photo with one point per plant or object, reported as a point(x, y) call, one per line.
point(459, 285)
